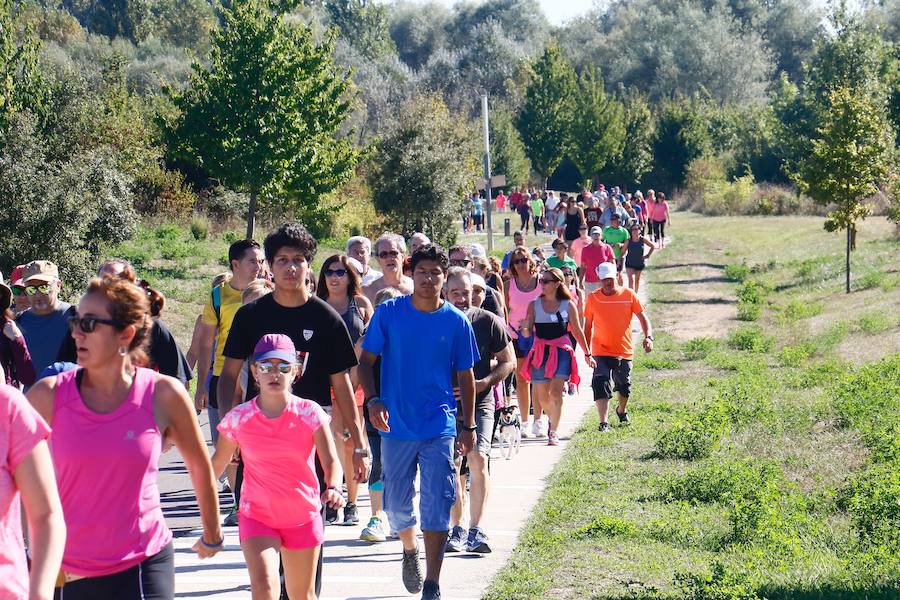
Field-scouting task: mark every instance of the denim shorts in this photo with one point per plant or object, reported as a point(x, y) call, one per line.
point(563, 366)
point(433, 459)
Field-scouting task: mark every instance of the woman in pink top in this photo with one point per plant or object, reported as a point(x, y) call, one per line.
point(522, 289)
point(279, 435)
point(111, 420)
point(661, 218)
point(26, 479)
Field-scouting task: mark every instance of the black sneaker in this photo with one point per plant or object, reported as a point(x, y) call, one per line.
point(623, 417)
point(351, 516)
point(412, 571)
point(331, 515)
point(604, 427)
point(431, 591)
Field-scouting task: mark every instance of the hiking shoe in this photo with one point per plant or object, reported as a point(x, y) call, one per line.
point(231, 519)
point(374, 531)
point(477, 541)
point(604, 427)
point(553, 439)
point(351, 515)
point(623, 417)
point(431, 591)
point(412, 572)
point(455, 541)
point(331, 515)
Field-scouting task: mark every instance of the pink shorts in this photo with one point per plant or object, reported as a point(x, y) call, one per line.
point(308, 535)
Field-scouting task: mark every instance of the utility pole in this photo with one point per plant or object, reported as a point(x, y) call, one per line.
point(487, 172)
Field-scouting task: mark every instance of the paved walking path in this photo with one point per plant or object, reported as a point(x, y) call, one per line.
point(358, 570)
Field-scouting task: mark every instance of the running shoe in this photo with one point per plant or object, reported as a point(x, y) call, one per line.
point(477, 541)
point(455, 541)
point(374, 531)
point(231, 519)
point(525, 430)
point(537, 430)
point(351, 515)
point(553, 439)
point(604, 427)
point(412, 571)
point(623, 417)
point(431, 591)
point(331, 515)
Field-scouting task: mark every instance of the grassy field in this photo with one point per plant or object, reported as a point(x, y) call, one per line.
point(763, 459)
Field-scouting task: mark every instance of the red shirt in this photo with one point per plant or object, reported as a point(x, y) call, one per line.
point(593, 256)
point(515, 199)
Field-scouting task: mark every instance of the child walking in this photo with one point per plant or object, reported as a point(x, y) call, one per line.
point(278, 435)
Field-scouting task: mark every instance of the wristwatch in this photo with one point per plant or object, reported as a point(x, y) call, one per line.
point(472, 428)
point(648, 337)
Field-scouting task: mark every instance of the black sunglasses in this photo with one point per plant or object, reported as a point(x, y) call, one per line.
point(388, 254)
point(335, 272)
point(89, 324)
point(519, 261)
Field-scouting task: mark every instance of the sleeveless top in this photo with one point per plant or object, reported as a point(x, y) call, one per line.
point(518, 302)
point(635, 256)
point(356, 327)
point(106, 469)
point(549, 326)
point(573, 223)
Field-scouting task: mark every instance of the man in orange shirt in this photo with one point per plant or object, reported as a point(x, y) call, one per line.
point(607, 316)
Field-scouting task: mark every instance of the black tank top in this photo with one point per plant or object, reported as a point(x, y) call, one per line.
point(549, 326)
point(356, 327)
point(573, 223)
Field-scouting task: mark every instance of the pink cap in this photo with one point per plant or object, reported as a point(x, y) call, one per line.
point(275, 345)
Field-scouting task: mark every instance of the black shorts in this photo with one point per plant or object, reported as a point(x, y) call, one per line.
point(611, 375)
point(153, 579)
point(634, 267)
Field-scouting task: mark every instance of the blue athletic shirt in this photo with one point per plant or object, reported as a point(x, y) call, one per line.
point(419, 354)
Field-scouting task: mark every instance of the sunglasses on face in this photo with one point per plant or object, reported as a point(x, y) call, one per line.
point(388, 254)
point(519, 261)
point(460, 262)
point(89, 324)
point(335, 272)
point(269, 367)
point(17, 290)
point(44, 288)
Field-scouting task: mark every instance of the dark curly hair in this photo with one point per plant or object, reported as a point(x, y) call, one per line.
point(291, 235)
point(432, 252)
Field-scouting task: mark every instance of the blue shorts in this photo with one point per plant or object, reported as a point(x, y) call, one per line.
point(400, 459)
point(563, 366)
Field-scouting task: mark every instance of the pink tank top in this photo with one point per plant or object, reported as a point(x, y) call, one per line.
point(106, 469)
point(519, 301)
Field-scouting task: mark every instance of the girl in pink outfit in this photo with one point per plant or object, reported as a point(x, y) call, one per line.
point(279, 435)
point(26, 479)
point(111, 420)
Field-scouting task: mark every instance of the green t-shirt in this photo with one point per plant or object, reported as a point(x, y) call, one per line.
point(613, 236)
point(556, 263)
point(537, 207)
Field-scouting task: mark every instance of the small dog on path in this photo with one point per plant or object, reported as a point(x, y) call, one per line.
point(510, 431)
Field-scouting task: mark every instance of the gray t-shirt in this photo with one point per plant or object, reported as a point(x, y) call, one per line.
point(44, 334)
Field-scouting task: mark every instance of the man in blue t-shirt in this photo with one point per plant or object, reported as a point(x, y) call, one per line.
point(45, 324)
point(422, 341)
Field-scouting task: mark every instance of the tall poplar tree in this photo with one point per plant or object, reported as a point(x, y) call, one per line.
point(598, 129)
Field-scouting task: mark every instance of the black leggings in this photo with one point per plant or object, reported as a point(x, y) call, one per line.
point(525, 222)
point(153, 579)
point(658, 229)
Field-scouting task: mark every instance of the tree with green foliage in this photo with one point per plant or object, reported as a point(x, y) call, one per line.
point(421, 168)
point(598, 128)
point(508, 155)
point(364, 24)
point(263, 117)
point(851, 154)
point(682, 134)
point(635, 157)
point(22, 85)
point(545, 120)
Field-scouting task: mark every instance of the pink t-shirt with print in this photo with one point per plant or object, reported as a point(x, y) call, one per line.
point(280, 486)
point(21, 429)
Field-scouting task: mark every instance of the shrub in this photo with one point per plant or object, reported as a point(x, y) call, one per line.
point(159, 192)
point(199, 227)
point(793, 356)
point(718, 585)
point(699, 348)
point(737, 272)
point(744, 396)
point(798, 309)
point(872, 499)
point(815, 375)
point(717, 480)
point(748, 311)
point(869, 401)
point(750, 339)
point(750, 294)
point(693, 437)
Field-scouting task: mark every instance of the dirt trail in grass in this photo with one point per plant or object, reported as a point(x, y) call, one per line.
point(691, 296)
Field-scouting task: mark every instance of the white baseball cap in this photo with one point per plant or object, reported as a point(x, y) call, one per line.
point(478, 281)
point(606, 271)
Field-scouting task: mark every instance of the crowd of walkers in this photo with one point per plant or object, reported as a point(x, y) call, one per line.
point(313, 387)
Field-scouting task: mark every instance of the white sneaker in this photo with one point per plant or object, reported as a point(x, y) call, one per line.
point(537, 429)
point(526, 433)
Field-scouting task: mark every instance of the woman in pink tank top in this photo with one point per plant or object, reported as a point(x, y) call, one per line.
point(110, 421)
point(522, 289)
point(279, 436)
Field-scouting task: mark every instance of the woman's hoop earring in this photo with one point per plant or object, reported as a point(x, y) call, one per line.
point(123, 351)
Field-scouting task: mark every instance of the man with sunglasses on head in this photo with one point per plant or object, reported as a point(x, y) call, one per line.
point(390, 250)
point(44, 325)
point(461, 256)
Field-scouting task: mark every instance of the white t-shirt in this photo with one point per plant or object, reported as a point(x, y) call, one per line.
point(552, 202)
point(370, 276)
